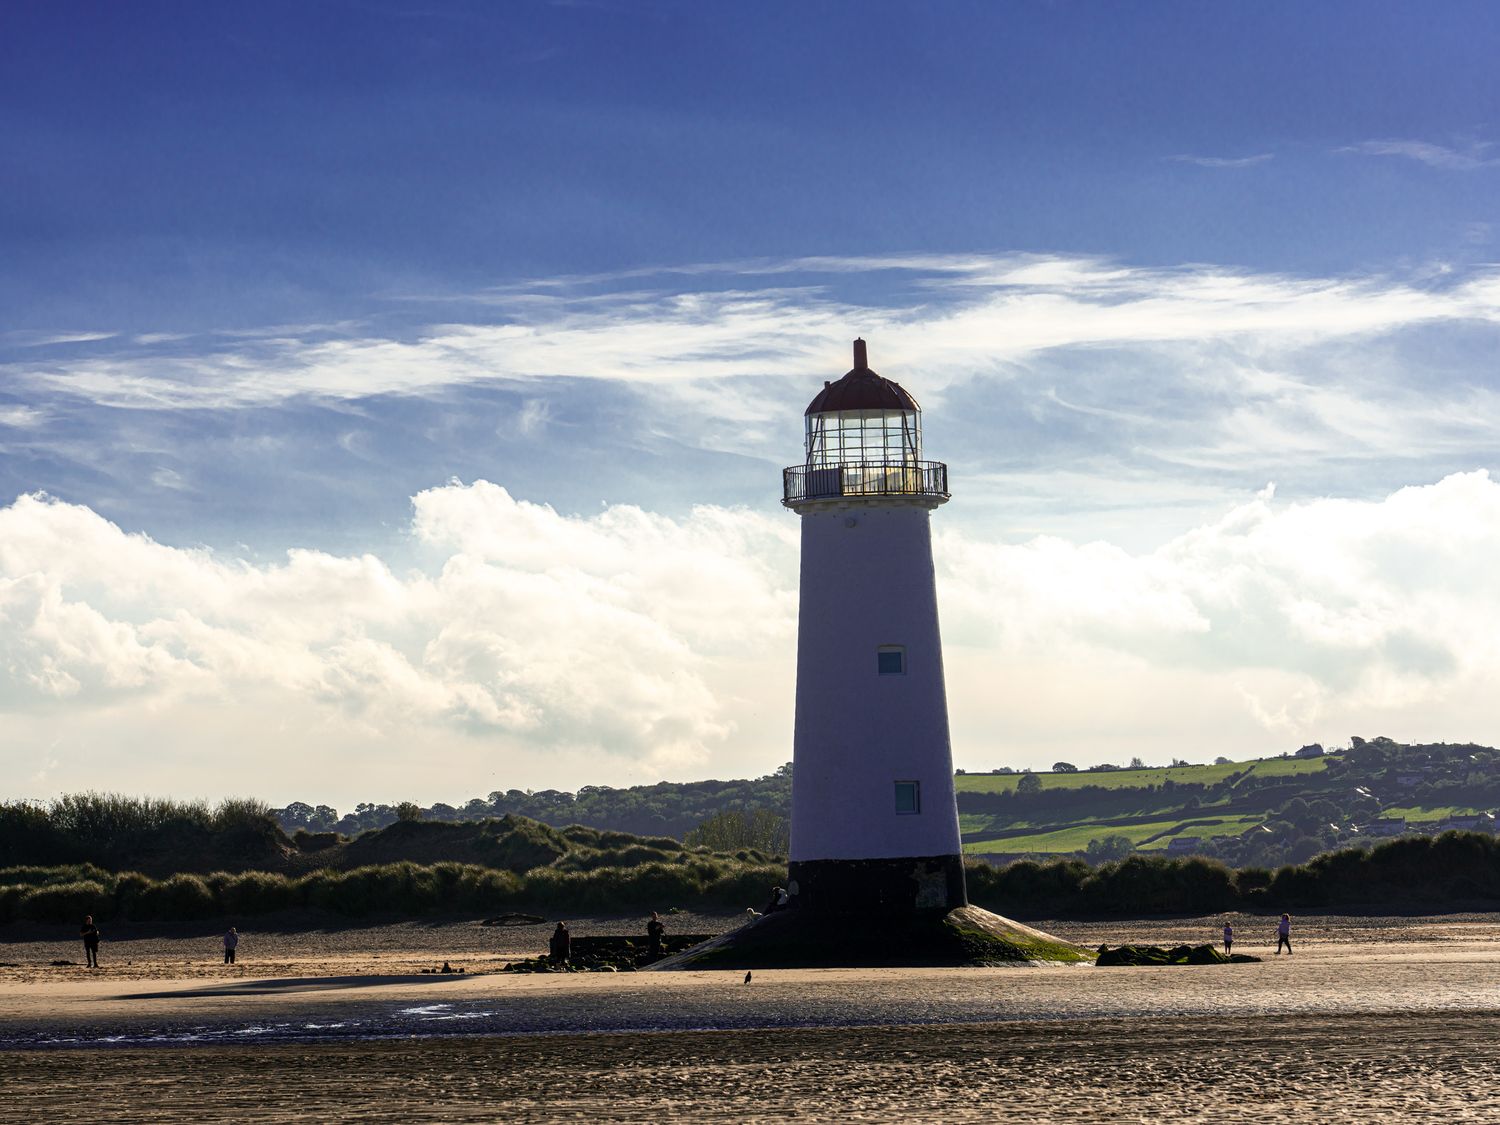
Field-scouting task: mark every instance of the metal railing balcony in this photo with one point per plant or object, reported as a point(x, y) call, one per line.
point(803, 483)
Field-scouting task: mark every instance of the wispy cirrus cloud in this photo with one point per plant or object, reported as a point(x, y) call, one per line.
point(1067, 387)
point(27, 338)
point(965, 314)
point(1223, 161)
point(1474, 155)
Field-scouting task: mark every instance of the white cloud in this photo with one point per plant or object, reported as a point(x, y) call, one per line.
point(1120, 381)
point(975, 315)
point(533, 633)
point(534, 648)
point(1223, 161)
point(21, 417)
point(1466, 159)
point(28, 338)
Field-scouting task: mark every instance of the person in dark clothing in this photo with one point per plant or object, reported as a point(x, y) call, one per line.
point(778, 900)
point(231, 942)
point(90, 935)
point(655, 931)
point(560, 948)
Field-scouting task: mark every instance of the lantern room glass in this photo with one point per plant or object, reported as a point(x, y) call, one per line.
point(854, 437)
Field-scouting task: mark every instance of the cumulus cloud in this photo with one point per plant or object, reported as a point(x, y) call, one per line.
point(586, 633)
point(533, 647)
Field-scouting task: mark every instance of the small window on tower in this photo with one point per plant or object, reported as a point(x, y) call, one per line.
point(908, 797)
point(890, 660)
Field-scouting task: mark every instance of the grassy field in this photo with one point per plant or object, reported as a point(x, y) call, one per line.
point(1140, 779)
point(1418, 814)
point(1148, 835)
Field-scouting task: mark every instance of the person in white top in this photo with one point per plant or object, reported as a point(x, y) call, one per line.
point(1284, 935)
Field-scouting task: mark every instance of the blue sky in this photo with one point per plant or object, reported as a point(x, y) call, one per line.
point(1202, 302)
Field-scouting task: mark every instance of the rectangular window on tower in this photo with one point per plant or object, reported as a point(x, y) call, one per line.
point(908, 797)
point(890, 660)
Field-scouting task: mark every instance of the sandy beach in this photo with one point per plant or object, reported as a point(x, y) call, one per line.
point(1372, 1018)
point(1330, 1068)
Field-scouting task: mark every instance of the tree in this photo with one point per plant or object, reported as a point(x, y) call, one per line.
point(1111, 847)
point(1029, 783)
point(1136, 764)
point(1064, 767)
point(323, 819)
point(298, 814)
point(1223, 761)
point(408, 811)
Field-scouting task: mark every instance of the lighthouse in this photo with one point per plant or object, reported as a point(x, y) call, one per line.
point(875, 875)
point(874, 823)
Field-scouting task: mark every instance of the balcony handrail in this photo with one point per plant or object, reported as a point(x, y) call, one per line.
point(803, 483)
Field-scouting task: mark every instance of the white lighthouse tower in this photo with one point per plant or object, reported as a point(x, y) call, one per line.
point(876, 874)
point(874, 823)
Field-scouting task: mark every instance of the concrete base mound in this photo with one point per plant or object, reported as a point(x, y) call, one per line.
point(799, 939)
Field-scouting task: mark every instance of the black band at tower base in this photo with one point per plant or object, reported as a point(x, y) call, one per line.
point(907, 885)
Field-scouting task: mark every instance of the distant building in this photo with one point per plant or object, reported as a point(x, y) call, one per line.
point(1385, 826)
point(1184, 845)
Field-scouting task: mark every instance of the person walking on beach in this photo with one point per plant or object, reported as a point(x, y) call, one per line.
point(560, 948)
point(1284, 935)
point(90, 935)
point(1228, 938)
point(655, 931)
point(231, 940)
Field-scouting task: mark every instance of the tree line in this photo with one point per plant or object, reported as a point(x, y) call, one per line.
point(1455, 869)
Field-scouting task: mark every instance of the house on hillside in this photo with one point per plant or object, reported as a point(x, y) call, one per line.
point(1184, 845)
point(1385, 826)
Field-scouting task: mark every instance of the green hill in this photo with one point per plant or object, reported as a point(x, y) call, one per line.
point(1262, 813)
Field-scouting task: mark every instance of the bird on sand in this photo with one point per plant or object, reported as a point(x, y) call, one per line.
point(747, 976)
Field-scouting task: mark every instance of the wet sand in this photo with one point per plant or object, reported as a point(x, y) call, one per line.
point(1371, 1019)
point(1329, 1068)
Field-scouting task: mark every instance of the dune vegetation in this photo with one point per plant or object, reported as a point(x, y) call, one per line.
point(615, 873)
